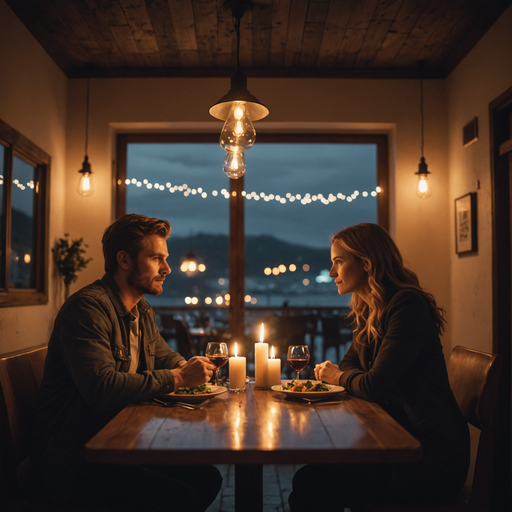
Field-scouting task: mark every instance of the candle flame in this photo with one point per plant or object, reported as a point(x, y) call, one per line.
point(272, 356)
point(236, 350)
point(262, 333)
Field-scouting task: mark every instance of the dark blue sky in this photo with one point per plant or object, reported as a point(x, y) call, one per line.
point(276, 169)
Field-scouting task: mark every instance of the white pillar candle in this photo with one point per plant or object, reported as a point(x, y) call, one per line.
point(261, 362)
point(274, 370)
point(237, 371)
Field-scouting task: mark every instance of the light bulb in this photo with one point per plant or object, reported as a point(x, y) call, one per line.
point(234, 164)
point(238, 133)
point(423, 188)
point(85, 187)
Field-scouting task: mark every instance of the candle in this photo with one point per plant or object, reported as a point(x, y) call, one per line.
point(274, 370)
point(261, 361)
point(237, 371)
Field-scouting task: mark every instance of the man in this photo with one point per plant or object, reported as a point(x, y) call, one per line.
point(105, 352)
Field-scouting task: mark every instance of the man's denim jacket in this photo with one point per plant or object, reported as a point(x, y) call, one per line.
point(86, 380)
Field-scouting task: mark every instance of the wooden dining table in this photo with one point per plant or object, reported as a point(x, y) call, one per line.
point(252, 428)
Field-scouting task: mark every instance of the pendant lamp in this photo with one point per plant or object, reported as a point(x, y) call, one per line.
point(85, 187)
point(238, 108)
point(423, 186)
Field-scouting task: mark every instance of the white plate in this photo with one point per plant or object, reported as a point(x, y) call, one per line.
point(200, 397)
point(309, 394)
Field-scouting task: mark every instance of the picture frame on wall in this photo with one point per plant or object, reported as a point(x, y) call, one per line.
point(465, 224)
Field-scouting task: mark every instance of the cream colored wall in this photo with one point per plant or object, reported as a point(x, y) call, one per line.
point(33, 95)
point(481, 77)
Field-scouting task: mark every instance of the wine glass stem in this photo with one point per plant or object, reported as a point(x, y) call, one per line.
point(216, 377)
point(298, 376)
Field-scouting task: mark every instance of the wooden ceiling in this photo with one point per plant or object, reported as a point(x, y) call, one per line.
point(279, 38)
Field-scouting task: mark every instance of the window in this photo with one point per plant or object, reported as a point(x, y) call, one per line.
point(24, 189)
point(166, 175)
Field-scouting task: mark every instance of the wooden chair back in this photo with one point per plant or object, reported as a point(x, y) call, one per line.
point(20, 379)
point(474, 378)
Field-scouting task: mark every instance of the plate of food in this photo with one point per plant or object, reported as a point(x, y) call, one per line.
point(194, 395)
point(307, 389)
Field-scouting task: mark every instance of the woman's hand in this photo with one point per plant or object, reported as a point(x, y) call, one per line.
point(198, 370)
point(328, 372)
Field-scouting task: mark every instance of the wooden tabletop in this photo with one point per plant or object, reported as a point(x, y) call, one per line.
point(255, 427)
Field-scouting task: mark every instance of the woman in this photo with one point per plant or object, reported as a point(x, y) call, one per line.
point(396, 360)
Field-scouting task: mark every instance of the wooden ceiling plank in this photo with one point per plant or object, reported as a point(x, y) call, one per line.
point(23, 10)
point(362, 14)
point(112, 15)
point(408, 15)
point(245, 41)
point(205, 16)
point(421, 33)
point(387, 9)
point(62, 35)
point(161, 20)
point(373, 41)
point(336, 23)
point(317, 11)
point(311, 44)
point(296, 24)
point(261, 33)
point(182, 15)
point(350, 47)
point(280, 18)
point(88, 11)
point(389, 49)
point(71, 17)
point(142, 30)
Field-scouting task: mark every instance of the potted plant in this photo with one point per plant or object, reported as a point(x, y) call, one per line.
point(69, 259)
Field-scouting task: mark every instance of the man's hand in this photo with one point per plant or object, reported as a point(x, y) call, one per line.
point(195, 372)
point(328, 372)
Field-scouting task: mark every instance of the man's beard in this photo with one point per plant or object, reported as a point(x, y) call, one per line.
point(137, 280)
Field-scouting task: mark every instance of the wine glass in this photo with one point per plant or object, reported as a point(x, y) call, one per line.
point(298, 357)
point(217, 353)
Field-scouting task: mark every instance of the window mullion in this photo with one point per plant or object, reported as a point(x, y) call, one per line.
point(7, 214)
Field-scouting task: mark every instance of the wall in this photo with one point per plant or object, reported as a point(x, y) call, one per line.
point(33, 96)
point(482, 76)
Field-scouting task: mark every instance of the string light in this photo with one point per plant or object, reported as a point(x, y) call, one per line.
point(304, 199)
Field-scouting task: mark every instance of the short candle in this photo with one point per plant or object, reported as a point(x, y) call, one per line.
point(237, 371)
point(274, 369)
point(261, 361)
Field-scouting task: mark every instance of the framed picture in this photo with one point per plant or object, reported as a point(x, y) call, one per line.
point(465, 224)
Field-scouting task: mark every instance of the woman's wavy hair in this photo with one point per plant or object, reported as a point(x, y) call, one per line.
point(127, 234)
point(384, 265)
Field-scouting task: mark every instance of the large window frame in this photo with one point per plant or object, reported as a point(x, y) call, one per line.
point(18, 145)
point(236, 208)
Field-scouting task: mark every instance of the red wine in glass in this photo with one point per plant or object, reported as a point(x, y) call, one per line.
point(298, 357)
point(217, 353)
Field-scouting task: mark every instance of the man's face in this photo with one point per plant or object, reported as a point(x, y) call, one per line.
point(150, 268)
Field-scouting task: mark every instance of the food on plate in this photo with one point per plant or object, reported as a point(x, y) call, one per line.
point(306, 387)
point(198, 390)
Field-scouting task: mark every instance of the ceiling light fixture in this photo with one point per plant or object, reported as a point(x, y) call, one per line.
point(85, 187)
point(423, 187)
point(238, 107)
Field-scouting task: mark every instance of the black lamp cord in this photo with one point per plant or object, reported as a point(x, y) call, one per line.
point(87, 114)
point(421, 112)
point(236, 22)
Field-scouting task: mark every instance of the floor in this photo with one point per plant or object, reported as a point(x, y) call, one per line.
point(277, 483)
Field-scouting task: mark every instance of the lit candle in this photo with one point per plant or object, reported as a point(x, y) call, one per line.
point(274, 370)
point(261, 361)
point(237, 371)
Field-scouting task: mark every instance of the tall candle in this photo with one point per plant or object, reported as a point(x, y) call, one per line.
point(261, 361)
point(274, 370)
point(237, 371)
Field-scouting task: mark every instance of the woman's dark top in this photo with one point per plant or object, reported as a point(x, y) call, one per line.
point(405, 372)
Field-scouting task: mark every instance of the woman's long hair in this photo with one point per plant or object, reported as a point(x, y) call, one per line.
point(384, 265)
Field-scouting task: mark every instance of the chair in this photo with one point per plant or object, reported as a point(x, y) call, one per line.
point(333, 335)
point(474, 380)
point(174, 329)
point(20, 378)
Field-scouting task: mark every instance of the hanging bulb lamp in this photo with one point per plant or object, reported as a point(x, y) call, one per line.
point(85, 185)
point(238, 108)
point(423, 186)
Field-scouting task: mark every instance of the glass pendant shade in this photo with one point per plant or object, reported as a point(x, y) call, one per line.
point(234, 164)
point(423, 186)
point(238, 133)
point(85, 187)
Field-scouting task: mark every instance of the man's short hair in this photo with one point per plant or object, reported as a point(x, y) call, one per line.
point(127, 234)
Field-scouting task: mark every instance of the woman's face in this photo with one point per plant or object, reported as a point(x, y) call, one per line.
point(348, 272)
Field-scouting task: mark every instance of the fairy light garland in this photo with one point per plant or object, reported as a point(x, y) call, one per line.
point(289, 197)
